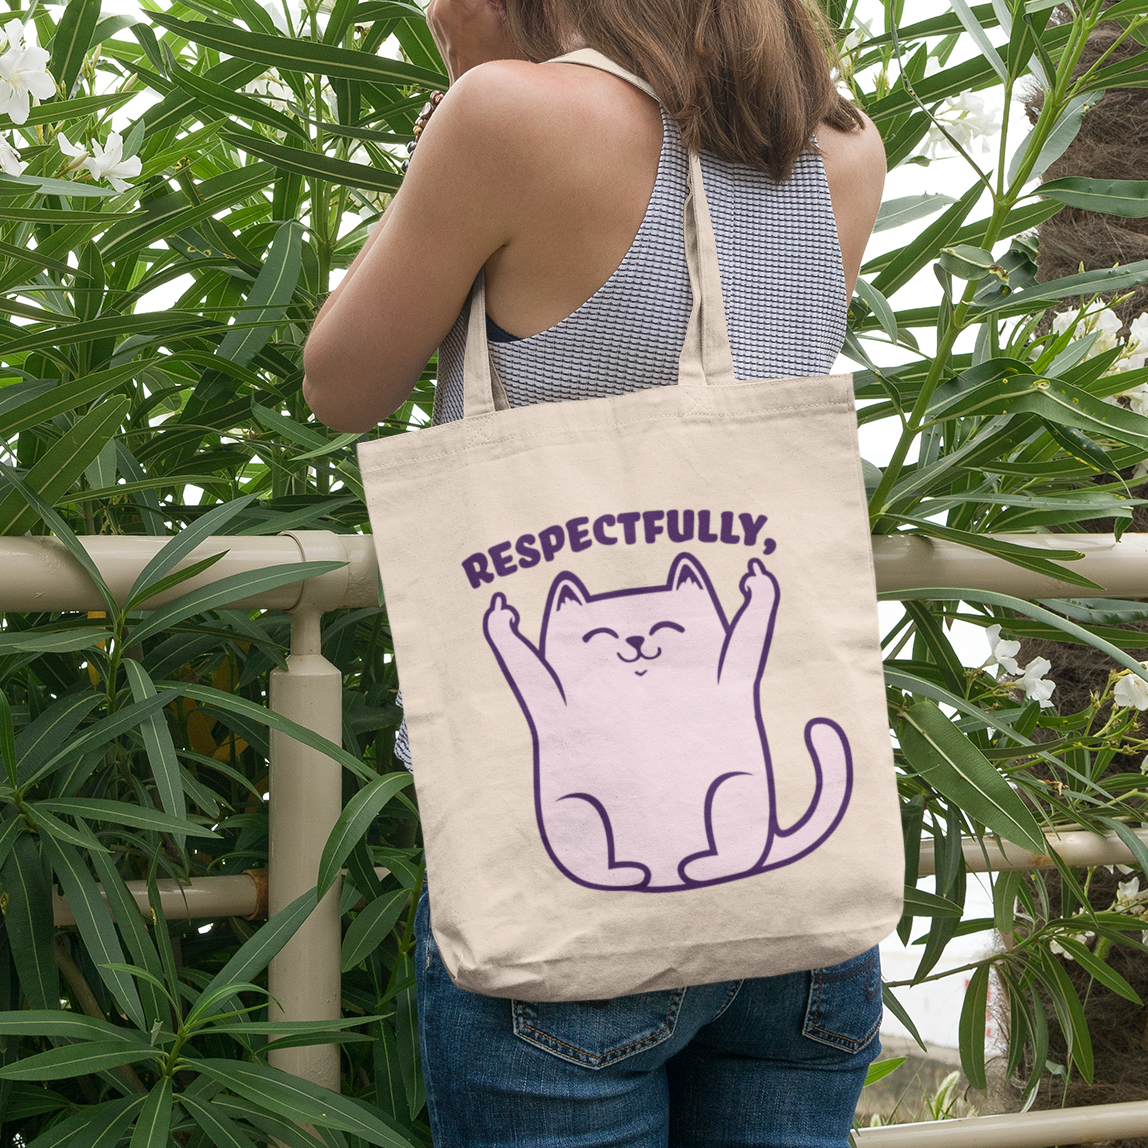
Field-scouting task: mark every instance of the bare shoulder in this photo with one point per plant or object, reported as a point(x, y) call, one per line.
point(855, 159)
point(525, 113)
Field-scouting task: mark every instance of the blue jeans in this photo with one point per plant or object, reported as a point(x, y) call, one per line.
point(776, 1062)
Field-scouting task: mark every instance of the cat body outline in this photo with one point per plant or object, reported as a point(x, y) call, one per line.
point(652, 769)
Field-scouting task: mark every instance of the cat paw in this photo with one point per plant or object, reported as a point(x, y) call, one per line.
point(501, 613)
point(708, 867)
point(758, 580)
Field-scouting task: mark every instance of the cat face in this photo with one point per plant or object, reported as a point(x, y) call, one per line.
point(634, 638)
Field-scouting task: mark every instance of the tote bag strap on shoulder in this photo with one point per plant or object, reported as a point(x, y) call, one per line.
point(706, 358)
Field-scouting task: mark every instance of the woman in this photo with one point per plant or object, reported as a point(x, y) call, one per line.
point(566, 185)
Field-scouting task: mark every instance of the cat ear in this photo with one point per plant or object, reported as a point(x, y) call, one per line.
point(566, 591)
point(687, 573)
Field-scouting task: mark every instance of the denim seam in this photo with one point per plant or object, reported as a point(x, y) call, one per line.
point(827, 1036)
point(730, 997)
point(544, 1040)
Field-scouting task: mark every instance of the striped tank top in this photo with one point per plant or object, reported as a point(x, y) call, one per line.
point(782, 284)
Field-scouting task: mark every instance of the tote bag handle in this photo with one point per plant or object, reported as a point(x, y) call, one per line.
point(706, 358)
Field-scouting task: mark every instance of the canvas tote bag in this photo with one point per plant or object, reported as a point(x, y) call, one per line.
point(638, 645)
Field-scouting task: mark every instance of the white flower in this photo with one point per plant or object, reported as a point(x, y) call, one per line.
point(967, 119)
point(1123, 870)
point(287, 20)
point(1003, 653)
point(1036, 688)
point(105, 162)
point(10, 159)
point(1126, 891)
point(1083, 938)
point(22, 76)
point(1132, 691)
point(862, 30)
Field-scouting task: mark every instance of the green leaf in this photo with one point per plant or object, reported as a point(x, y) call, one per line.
point(241, 706)
point(953, 766)
point(972, 1027)
point(337, 171)
point(1087, 283)
point(301, 55)
point(100, 734)
point(1026, 556)
point(120, 812)
point(28, 919)
point(1069, 1012)
point(1126, 197)
point(176, 578)
point(183, 544)
point(407, 1036)
point(301, 1100)
point(879, 1069)
point(227, 590)
point(908, 209)
point(1066, 129)
point(269, 296)
point(66, 397)
point(94, 921)
point(903, 265)
point(967, 262)
point(72, 39)
point(229, 102)
point(984, 45)
point(10, 830)
point(1098, 969)
point(63, 1024)
point(891, 1002)
point(100, 1126)
point(52, 642)
point(48, 733)
point(221, 1130)
point(153, 1128)
point(918, 903)
point(78, 1059)
point(58, 468)
point(160, 750)
point(880, 307)
point(354, 822)
point(8, 740)
point(253, 955)
point(367, 931)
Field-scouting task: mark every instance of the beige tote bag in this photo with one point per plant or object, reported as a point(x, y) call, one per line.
point(638, 645)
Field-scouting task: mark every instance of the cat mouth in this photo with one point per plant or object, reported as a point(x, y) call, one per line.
point(640, 657)
point(639, 673)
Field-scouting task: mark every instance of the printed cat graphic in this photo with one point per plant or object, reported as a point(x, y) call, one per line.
point(651, 767)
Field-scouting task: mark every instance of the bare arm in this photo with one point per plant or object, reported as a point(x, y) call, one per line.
point(855, 170)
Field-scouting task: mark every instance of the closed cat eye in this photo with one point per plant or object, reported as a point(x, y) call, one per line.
point(666, 626)
point(600, 630)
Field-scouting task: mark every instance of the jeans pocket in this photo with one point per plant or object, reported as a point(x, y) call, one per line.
point(596, 1034)
point(845, 1007)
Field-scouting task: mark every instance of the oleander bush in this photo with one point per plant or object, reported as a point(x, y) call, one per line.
point(179, 188)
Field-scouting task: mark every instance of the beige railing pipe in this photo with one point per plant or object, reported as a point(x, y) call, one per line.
point(1102, 1122)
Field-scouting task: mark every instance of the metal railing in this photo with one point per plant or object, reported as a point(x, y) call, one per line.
point(305, 786)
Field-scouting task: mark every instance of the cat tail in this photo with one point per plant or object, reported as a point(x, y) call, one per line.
point(833, 763)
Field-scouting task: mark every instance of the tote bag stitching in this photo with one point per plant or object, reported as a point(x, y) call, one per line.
point(436, 452)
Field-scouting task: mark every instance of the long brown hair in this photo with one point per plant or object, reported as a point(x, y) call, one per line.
point(750, 80)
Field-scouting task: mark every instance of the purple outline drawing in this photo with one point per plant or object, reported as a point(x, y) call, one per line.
point(651, 767)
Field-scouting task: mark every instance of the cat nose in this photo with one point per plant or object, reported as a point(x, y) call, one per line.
point(636, 640)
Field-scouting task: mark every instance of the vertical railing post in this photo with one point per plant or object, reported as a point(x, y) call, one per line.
point(305, 802)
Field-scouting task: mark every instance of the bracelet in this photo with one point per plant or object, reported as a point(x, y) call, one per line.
point(420, 123)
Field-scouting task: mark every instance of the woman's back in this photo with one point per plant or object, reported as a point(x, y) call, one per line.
point(550, 202)
point(782, 281)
